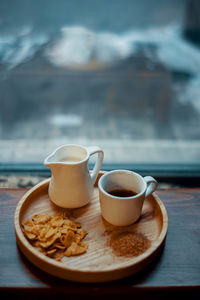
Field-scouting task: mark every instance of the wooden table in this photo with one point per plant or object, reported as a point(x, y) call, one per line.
point(175, 272)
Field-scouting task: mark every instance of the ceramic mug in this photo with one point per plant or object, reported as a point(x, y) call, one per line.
point(123, 211)
point(71, 184)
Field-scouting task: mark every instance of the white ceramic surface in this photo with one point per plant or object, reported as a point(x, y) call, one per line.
point(71, 184)
point(123, 211)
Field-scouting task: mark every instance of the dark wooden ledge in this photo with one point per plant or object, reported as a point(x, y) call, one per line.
point(175, 272)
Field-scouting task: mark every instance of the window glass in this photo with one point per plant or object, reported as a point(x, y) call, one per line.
point(123, 75)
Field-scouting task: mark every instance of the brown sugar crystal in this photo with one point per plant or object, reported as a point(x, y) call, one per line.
point(129, 243)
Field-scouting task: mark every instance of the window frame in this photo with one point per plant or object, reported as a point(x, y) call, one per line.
point(176, 174)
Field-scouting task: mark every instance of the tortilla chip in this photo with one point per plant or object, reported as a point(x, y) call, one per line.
point(55, 235)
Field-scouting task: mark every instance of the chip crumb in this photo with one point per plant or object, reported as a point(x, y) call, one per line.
point(55, 235)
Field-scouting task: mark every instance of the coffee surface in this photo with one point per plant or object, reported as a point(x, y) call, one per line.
point(122, 193)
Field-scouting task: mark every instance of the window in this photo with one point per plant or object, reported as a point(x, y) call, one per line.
point(123, 75)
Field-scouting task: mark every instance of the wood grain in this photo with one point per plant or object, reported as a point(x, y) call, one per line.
point(174, 273)
point(100, 263)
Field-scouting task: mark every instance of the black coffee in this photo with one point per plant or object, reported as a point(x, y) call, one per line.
point(122, 193)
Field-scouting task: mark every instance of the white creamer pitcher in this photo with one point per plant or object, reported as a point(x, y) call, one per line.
point(71, 184)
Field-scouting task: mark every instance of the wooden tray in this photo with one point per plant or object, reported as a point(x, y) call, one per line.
point(100, 263)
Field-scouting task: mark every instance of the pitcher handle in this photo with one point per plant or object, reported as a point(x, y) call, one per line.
point(92, 150)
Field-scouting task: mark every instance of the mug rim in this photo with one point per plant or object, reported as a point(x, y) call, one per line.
point(122, 171)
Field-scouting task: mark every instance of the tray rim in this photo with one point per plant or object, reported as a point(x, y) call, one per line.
point(29, 251)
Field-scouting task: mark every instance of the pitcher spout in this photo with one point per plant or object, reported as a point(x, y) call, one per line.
point(47, 162)
point(52, 158)
point(67, 154)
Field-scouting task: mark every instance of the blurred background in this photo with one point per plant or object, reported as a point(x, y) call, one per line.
point(123, 75)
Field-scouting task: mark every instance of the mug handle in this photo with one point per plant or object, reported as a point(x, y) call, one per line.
point(92, 150)
point(151, 185)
